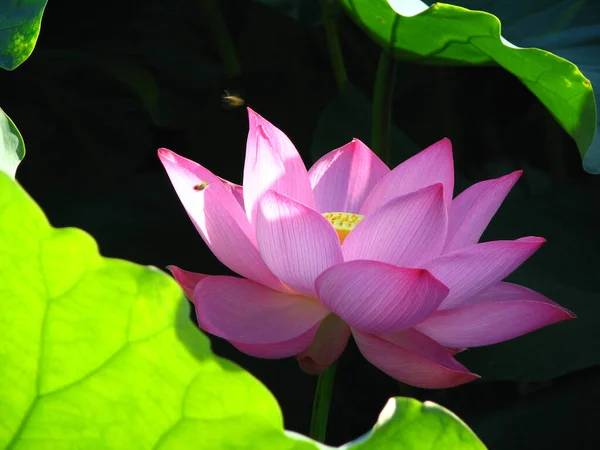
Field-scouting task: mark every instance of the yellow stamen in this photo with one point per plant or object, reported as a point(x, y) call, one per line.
point(343, 222)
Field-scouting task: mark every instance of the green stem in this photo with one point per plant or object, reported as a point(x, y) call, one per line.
point(333, 44)
point(320, 411)
point(220, 34)
point(383, 95)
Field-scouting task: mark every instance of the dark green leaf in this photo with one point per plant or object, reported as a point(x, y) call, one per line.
point(20, 22)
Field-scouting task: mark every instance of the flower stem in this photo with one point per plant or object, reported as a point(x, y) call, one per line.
point(383, 94)
point(320, 411)
point(333, 44)
point(220, 33)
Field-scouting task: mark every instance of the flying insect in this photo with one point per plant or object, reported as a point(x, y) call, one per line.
point(231, 100)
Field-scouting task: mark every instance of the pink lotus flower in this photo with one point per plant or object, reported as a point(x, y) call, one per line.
point(352, 248)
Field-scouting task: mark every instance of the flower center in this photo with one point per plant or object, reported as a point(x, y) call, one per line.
point(343, 222)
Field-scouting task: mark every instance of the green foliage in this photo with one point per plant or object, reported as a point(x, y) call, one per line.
point(100, 353)
point(407, 424)
point(569, 29)
point(12, 147)
point(20, 22)
point(448, 34)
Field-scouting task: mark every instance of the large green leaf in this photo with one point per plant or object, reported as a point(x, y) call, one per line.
point(448, 34)
point(407, 424)
point(20, 22)
point(100, 353)
point(12, 147)
point(567, 28)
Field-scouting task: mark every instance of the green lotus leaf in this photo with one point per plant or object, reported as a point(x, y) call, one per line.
point(100, 353)
point(20, 22)
point(568, 29)
point(408, 424)
point(448, 34)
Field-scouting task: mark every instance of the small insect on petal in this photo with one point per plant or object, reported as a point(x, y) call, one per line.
point(201, 186)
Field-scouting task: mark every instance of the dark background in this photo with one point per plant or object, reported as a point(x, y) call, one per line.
point(111, 82)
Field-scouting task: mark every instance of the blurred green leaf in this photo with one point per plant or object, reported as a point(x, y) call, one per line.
point(138, 53)
point(569, 405)
point(12, 147)
point(100, 353)
point(564, 269)
point(126, 70)
point(348, 116)
point(448, 34)
point(107, 125)
point(20, 22)
point(168, 42)
point(135, 77)
point(408, 424)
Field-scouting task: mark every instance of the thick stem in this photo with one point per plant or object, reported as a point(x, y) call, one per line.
point(383, 95)
point(333, 44)
point(220, 34)
point(320, 411)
